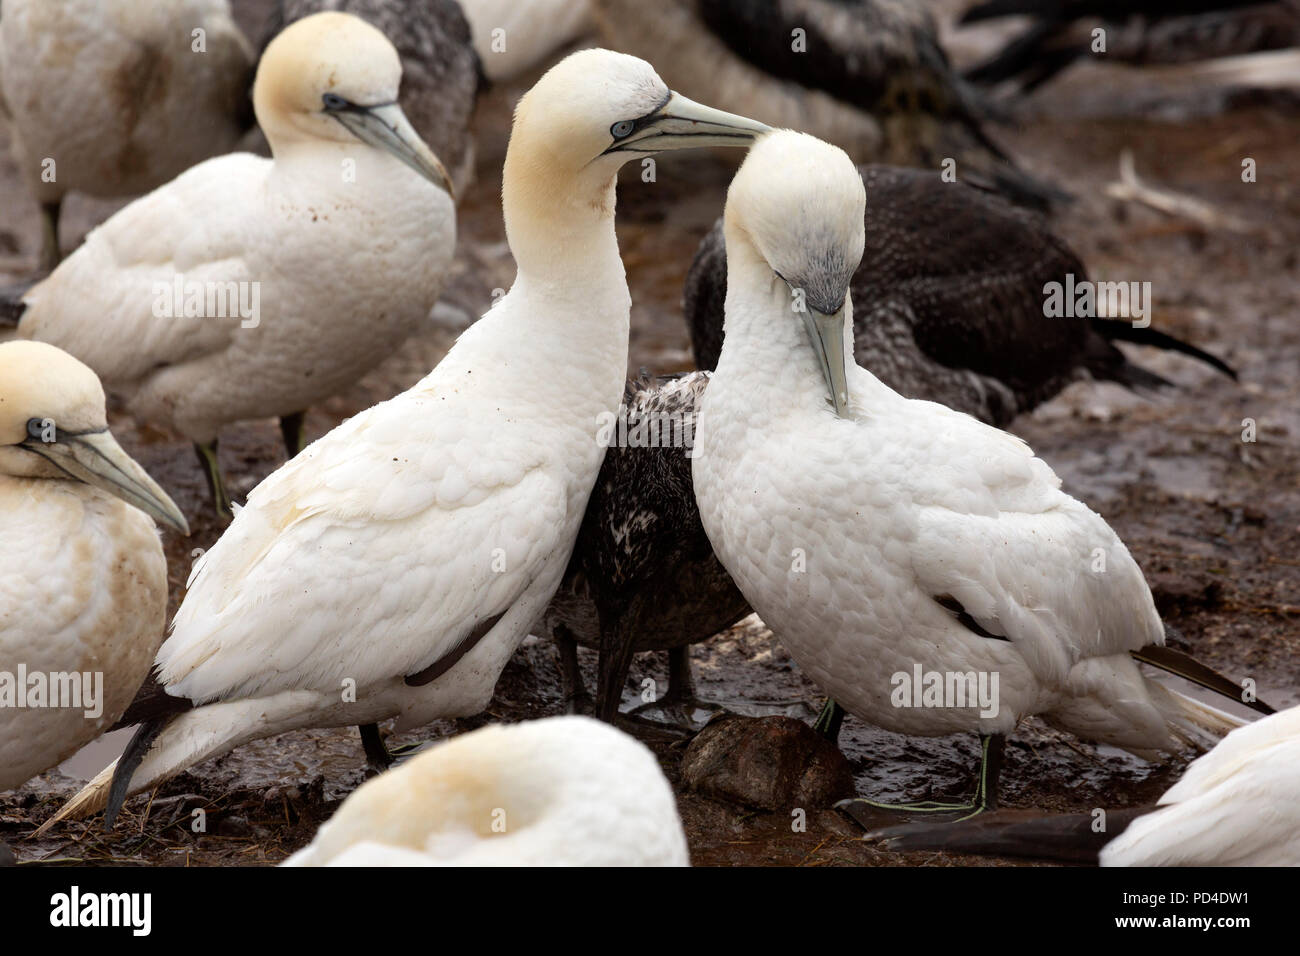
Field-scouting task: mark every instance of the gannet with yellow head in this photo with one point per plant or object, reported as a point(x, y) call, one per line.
point(393, 567)
point(116, 97)
point(565, 791)
point(83, 580)
point(250, 288)
point(885, 539)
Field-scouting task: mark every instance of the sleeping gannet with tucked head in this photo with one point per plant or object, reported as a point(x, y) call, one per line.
point(116, 97)
point(1234, 806)
point(880, 537)
point(83, 580)
point(393, 567)
point(251, 288)
point(565, 791)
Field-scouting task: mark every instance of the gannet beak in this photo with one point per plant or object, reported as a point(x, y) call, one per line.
point(684, 124)
point(386, 127)
point(826, 333)
point(97, 459)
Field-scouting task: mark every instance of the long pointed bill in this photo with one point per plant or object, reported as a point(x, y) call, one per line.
point(826, 333)
point(387, 128)
point(684, 124)
point(97, 459)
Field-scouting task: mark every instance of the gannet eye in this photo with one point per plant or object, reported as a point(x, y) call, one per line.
point(333, 101)
point(36, 428)
point(621, 129)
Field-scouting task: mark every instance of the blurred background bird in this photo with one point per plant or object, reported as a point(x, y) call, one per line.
point(117, 97)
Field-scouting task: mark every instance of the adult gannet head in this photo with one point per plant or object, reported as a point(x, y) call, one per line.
point(595, 110)
point(332, 76)
point(797, 203)
point(553, 792)
point(53, 425)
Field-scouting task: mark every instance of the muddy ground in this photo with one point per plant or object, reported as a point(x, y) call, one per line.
point(1213, 520)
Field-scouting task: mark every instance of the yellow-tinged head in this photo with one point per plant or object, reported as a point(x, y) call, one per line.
point(53, 425)
point(332, 76)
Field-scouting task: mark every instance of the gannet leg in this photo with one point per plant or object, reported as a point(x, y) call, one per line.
point(680, 703)
point(829, 720)
point(377, 756)
point(291, 427)
point(576, 698)
point(616, 648)
point(985, 797)
point(216, 484)
point(50, 253)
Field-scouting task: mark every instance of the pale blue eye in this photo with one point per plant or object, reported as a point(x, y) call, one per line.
point(621, 129)
point(333, 101)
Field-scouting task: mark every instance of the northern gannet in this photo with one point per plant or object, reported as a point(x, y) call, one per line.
point(887, 540)
point(949, 302)
point(306, 270)
point(440, 70)
point(643, 576)
point(393, 567)
point(116, 97)
point(869, 75)
point(1234, 806)
point(513, 37)
point(83, 580)
point(564, 791)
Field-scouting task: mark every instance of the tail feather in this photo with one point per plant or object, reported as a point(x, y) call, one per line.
point(1189, 668)
point(1069, 838)
point(1114, 330)
point(126, 765)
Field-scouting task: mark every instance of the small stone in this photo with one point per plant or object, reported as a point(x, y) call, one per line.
point(771, 763)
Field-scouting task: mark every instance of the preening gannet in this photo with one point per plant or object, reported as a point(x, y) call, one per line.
point(643, 576)
point(949, 302)
point(880, 536)
point(393, 567)
point(83, 580)
point(513, 37)
point(869, 75)
point(440, 70)
point(1235, 806)
point(565, 791)
point(116, 97)
point(251, 288)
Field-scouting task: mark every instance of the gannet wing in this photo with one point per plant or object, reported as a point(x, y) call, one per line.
point(399, 526)
point(995, 534)
point(104, 303)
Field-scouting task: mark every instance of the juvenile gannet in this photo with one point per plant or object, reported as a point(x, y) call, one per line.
point(869, 75)
point(83, 580)
point(116, 97)
point(880, 536)
point(565, 791)
point(512, 37)
point(1235, 806)
point(643, 576)
point(307, 270)
point(949, 302)
point(440, 70)
point(393, 567)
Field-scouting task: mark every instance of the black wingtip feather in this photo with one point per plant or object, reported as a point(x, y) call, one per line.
point(127, 764)
point(1189, 668)
point(1116, 330)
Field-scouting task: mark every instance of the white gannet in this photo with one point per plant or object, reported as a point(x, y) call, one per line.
point(949, 302)
point(393, 567)
point(83, 580)
point(440, 68)
point(564, 791)
point(880, 536)
point(869, 75)
point(305, 271)
point(513, 37)
point(116, 97)
point(1234, 806)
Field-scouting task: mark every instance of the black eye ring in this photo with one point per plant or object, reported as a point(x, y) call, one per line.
point(36, 429)
point(333, 101)
point(622, 129)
